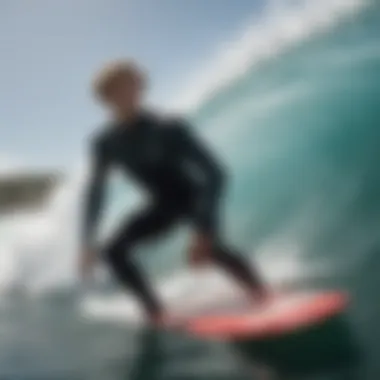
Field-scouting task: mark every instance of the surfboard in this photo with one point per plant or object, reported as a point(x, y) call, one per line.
point(283, 314)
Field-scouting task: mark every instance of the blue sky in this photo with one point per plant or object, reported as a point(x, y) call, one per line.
point(50, 49)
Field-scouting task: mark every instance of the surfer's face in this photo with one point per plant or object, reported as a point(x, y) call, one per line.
point(125, 95)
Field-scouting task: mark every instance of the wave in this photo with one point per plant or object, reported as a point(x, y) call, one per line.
point(39, 250)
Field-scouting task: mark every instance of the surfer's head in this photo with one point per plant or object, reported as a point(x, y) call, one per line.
point(120, 86)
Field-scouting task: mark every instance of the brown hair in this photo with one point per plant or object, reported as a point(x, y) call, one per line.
point(112, 72)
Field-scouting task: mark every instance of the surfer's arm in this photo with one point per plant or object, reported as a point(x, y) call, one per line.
point(205, 215)
point(95, 193)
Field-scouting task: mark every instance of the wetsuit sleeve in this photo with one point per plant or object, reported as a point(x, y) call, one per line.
point(212, 178)
point(95, 192)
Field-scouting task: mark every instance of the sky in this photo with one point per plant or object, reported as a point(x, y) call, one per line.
point(50, 50)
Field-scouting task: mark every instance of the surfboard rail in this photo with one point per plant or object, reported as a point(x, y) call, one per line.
point(284, 315)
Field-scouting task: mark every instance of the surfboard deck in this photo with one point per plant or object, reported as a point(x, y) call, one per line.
point(283, 314)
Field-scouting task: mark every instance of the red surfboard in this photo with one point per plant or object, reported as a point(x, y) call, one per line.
point(282, 315)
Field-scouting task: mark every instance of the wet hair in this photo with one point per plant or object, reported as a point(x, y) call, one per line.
point(110, 73)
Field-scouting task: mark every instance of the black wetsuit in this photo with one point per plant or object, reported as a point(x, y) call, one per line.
point(184, 181)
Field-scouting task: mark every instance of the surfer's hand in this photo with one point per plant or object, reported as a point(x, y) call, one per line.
point(87, 262)
point(200, 250)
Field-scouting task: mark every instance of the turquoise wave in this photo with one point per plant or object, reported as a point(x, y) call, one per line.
point(299, 135)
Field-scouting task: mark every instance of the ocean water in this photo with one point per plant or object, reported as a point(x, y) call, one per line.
point(298, 127)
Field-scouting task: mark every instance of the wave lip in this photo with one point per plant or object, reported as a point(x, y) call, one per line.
point(281, 26)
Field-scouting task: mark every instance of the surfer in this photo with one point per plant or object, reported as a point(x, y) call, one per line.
point(183, 179)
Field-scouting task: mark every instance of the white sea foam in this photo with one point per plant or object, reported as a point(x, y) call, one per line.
point(188, 292)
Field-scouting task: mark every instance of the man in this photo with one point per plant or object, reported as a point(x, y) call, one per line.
point(181, 176)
